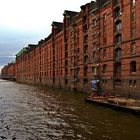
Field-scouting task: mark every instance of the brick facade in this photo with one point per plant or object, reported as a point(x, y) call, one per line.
point(9, 71)
point(102, 41)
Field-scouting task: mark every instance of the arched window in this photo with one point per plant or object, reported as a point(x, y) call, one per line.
point(117, 12)
point(133, 68)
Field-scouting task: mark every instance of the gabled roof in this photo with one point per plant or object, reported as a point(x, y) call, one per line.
point(92, 5)
point(70, 13)
point(58, 25)
point(25, 49)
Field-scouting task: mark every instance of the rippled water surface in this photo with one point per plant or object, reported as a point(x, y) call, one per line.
point(32, 113)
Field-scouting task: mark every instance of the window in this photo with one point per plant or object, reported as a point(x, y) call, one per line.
point(66, 71)
point(118, 54)
point(118, 39)
point(130, 83)
point(94, 36)
point(94, 54)
point(78, 58)
point(117, 69)
point(133, 16)
point(133, 67)
point(85, 71)
point(85, 81)
point(86, 59)
point(117, 12)
point(104, 81)
point(84, 19)
point(104, 18)
point(77, 71)
point(94, 45)
point(104, 68)
point(66, 62)
point(86, 39)
point(104, 40)
point(93, 70)
point(104, 30)
point(85, 28)
point(66, 54)
point(133, 32)
point(133, 2)
point(66, 81)
point(86, 49)
point(78, 50)
point(118, 26)
point(71, 71)
point(133, 48)
point(134, 83)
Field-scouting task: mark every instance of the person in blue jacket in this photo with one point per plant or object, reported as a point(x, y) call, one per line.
point(94, 84)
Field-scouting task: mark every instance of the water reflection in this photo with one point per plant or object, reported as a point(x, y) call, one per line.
point(31, 113)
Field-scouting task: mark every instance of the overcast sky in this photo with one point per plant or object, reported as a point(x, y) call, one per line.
point(24, 22)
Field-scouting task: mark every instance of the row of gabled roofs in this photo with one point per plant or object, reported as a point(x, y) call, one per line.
point(59, 25)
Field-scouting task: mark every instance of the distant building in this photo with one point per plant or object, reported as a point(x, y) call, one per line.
point(9, 71)
point(102, 42)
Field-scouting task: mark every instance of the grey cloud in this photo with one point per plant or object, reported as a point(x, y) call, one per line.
point(5, 60)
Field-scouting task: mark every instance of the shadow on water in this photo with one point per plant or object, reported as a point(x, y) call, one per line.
point(28, 112)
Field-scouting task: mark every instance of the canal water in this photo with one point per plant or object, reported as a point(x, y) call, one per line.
point(33, 113)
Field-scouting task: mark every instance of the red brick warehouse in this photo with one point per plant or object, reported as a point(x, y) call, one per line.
point(101, 41)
